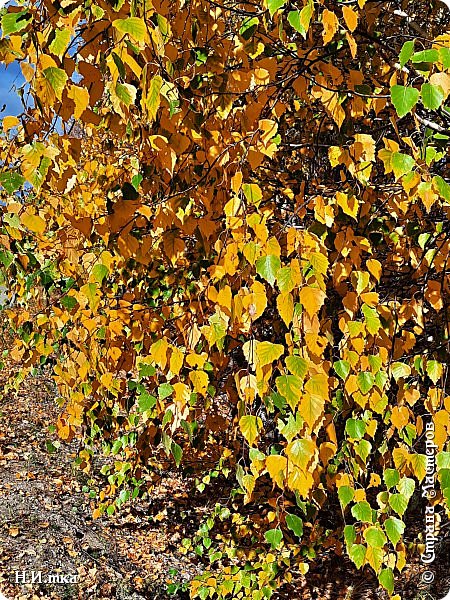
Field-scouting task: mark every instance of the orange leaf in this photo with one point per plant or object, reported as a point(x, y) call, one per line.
point(330, 25)
point(312, 299)
point(350, 18)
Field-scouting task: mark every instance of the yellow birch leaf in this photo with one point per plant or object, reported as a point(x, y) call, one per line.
point(9, 122)
point(400, 416)
point(330, 25)
point(158, 352)
point(301, 452)
point(176, 360)
point(353, 50)
point(418, 464)
point(285, 305)
point(433, 294)
point(153, 98)
point(300, 481)
point(375, 268)
point(27, 71)
point(135, 27)
point(312, 299)
point(350, 18)
point(348, 203)
point(57, 78)
point(250, 426)
point(200, 381)
point(311, 409)
point(182, 394)
point(276, 467)
point(80, 96)
point(248, 481)
point(33, 222)
point(268, 352)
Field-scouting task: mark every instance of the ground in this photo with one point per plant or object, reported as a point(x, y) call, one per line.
point(46, 526)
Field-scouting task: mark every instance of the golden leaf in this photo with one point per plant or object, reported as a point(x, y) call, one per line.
point(330, 25)
point(276, 466)
point(312, 299)
point(350, 18)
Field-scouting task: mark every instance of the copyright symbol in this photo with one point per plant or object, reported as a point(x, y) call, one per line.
point(427, 576)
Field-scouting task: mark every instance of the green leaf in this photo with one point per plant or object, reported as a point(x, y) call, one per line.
point(133, 26)
point(274, 537)
point(425, 56)
point(442, 187)
point(268, 352)
point(146, 401)
point(404, 99)
point(267, 267)
point(349, 535)
point(400, 370)
point(357, 554)
point(7, 258)
point(346, 495)
point(294, 21)
point(250, 426)
point(434, 370)
point(248, 27)
point(177, 453)
point(374, 537)
point(363, 449)
point(68, 302)
point(126, 93)
point(119, 64)
point(300, 20)
point(295, 524)
point(60, 42)
point(164, 391)
point(99, 272)
point(375, 362)
point(444, 57)
point(14, 22)
point(290, 387)
point(297, 366)
point(153, 96)
point(342, 368)
point(136, 181)
point(57, 78)
point(401, 164)
point(146, 370)
point(89, 290)
point(386, 578)
point(365, 379)
point(406, 485)
point(406, 52)
point(394, 529)
point(443, 460)
point(252, 192)
point(432, 96)
point(274, 5)
point(11, 181)
point(399, 503)
point(391, 477)
point(373, 323)
point(201, 56)
point(362, 512)
point(292, 427)
point(355, 428)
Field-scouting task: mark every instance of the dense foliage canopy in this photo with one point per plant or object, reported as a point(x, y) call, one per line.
point(226, 228)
